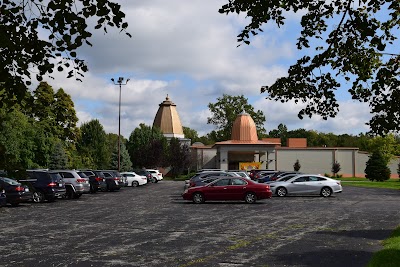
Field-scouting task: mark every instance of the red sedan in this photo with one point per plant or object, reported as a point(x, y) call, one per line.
point(228, 188)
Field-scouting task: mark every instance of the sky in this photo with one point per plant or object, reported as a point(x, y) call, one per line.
point(188, 51)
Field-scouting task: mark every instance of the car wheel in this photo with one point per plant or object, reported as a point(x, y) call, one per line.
point(281, 192)
point(92, 189)
point(250, 198)
point(155, 180)
point(198, 198)
point(38, 197)
point(326, 192)
point(69, 194)
point(135, 184)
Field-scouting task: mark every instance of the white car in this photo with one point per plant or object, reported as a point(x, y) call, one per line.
point(134, 179)
point(156, 175)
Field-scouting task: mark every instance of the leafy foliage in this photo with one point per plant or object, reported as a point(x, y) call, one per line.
point(281, 132)
point(225, 111)
point(92, 144)
point(179, 157)
point(191, 134)
point(146, 146)
point(356, 42)
point(39, 37)
point(54, 111)
point(376, 167)
point(336, 168)
point(387, 145)
point(296, 166)
point(58, 158)
point(125, 161)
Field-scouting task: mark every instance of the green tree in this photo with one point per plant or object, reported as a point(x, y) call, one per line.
point(92, 144)
point(43, 107)
point(376, 167)
point(125, 161)
point(146, 146)
point(296, 166)
point(281, 132)
point(225, 111)
point(191, 134)
point(58, 157)
point(351, 41)
point(335, 168)
point(55, 112)
point(65, 116)
point(45, 36)
point(387, 145)
point(179, 157)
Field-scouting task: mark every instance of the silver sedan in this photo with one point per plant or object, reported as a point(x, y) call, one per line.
point(306, 184)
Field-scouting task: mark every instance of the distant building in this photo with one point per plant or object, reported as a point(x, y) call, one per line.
point(245, 149)
point(168, 121)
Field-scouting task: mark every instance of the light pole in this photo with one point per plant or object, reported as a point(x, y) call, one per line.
point(120, 82)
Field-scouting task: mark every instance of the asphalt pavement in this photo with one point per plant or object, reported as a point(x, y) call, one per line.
point(153, 226)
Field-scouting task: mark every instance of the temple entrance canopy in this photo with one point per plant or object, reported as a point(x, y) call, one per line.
point(244, 146)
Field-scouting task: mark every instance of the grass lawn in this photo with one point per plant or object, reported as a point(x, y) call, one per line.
point(363, 182)
point(389, 256)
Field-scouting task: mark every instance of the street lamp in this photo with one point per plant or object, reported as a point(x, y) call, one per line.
point(120, 82)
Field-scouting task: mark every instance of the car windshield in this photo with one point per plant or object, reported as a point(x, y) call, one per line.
point(10, 181)
point(55, 176)
point(82, 174)
point(283, 179)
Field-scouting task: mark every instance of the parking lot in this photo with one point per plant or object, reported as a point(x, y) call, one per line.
point(152, 226)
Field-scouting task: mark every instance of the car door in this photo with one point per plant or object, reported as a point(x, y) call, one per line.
point(298, 185)
point(236, 189)
point(315, 185)
point(217, 190)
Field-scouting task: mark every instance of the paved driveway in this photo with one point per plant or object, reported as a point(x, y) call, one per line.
point(153, 226)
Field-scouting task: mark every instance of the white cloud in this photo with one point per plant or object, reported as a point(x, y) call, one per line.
point(351, 118)
point(188, 50)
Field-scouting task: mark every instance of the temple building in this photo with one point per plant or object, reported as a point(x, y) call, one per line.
point(246, 151)
point(168, 121)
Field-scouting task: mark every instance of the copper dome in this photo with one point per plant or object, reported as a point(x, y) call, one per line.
point(244, 128)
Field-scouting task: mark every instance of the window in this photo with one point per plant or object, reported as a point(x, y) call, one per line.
point(222, 182)
point(67, 175)
point(238, 182)
point(313, 179)
point(301, 179)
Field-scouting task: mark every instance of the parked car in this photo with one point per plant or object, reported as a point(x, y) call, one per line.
point(253, 172)
point(75, 184)
point(228, 188)
point(14, 191)
point(306, 184)
point(3, 198)
point(198, 178)
point(114, 180)
point(261, 174)
point(280, 174)
point(202, 181)
point(281, 179)
point(150, 178)
point(97, 181)
point(157, 175)
point(134, 179)
point(45, 185)
point(240, 173)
